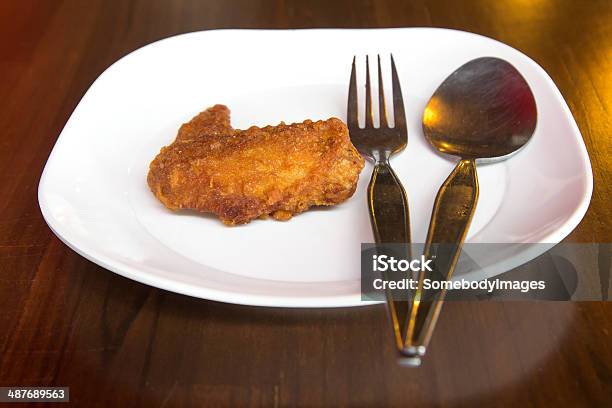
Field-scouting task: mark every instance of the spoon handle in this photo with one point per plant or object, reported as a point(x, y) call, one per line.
point(451, 217)
point(390, 219)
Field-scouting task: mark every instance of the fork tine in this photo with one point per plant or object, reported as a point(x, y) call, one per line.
point(368, 109)
point(398, 102)
point(382, 108)
point(352, 117)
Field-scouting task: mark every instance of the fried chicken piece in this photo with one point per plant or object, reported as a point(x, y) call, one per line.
point(240, 175)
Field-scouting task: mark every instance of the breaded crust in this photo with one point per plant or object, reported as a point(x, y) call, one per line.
point(240, 175)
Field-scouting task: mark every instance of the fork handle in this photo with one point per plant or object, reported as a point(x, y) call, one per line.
point(388, 205)
point(452, 214)
point(389, 215)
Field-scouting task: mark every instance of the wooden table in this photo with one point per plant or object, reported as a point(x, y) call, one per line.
point(65, 321)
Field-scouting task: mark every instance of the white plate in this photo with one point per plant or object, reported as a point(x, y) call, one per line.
point(94, 196)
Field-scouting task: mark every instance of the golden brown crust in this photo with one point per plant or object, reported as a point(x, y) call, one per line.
point(240, 175)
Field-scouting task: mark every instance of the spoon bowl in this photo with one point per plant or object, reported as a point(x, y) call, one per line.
point(484, 109)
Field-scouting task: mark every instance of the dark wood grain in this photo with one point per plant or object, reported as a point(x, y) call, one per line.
point(67, 322)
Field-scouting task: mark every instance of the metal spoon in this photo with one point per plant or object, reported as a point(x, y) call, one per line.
point(484, 109)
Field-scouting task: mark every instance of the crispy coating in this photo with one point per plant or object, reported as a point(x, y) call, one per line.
point(240, 175)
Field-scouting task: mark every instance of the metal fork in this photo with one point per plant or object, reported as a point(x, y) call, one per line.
point(387, 200)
